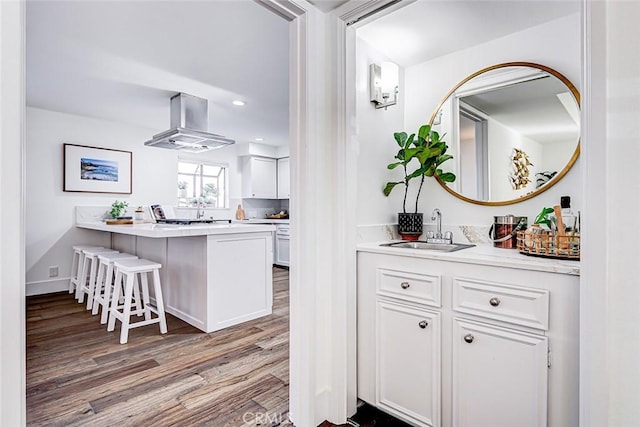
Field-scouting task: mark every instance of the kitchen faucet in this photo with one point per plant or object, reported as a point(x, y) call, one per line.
point(438, 237)
point(200, 213)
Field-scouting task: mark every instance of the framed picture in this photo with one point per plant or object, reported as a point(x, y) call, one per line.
point(96, 170)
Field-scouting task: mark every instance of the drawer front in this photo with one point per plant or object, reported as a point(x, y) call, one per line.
point(505, 302)
point(415, 287)
point(282, 230)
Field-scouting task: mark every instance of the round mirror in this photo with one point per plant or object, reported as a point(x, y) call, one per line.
point(513, 130)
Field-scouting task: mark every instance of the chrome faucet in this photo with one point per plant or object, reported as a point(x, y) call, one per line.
point(200, 213)
point(438, 237)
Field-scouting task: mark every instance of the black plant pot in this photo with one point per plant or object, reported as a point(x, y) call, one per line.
point(410, 225)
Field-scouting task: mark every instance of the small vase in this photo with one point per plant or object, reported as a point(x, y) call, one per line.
point(410, 225)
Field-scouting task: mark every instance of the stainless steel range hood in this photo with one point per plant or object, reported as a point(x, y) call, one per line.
point(188, 132)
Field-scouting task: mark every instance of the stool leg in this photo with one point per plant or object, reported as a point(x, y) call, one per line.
point(159, 301)
point(126, 311)
point(82, 278)
point(137, 302)
point(91, 286)
point(145, 295)
point(109, 283)
point(117, 284)
point(74, 271)
point(98, 290)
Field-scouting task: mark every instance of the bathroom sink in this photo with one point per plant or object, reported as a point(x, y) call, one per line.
point(440, 247)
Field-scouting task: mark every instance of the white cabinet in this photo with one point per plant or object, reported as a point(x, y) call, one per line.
point(283, 178)
point(282, 245)
point(499, 376)
point(408, 362)
point(259, 178)
point(500, 345)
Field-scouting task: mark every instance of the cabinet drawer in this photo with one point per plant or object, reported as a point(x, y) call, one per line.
point(508, 303)
point(415, 287)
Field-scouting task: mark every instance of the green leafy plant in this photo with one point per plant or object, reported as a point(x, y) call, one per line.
point(544, 218)
point(118, 208)
point(426, 153)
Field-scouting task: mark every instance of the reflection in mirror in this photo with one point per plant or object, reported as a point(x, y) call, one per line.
point(513, 130)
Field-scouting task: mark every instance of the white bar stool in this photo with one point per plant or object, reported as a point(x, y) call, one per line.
point(104, 284)
point(76, 264)
point(127, 272)
point(89, 268)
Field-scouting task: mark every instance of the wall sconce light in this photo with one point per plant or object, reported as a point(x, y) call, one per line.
point(383, 84)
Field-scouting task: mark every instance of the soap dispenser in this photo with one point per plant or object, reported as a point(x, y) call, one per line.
point(568, 217)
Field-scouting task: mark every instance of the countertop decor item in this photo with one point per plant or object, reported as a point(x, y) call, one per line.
point(118, 208)
point(543, 243)
point(96, 170)
point(429, 152)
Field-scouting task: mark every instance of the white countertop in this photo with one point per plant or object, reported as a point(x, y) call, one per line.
point(262, 221)
point(482, 254)
point(145, 229)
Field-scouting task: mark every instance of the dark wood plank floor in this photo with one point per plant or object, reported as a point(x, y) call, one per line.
point(79, 375)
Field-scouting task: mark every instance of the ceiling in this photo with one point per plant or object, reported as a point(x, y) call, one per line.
point(428, 29)
point(123, 60)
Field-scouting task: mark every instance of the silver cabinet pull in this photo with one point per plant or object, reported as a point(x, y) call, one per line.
point(423, 324)
point(495, 301)
point(469, 338)
point(405, 285)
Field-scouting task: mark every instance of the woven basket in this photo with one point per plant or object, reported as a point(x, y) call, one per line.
point(549, 245)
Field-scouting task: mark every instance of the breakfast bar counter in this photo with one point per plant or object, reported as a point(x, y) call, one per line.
point(213, 275)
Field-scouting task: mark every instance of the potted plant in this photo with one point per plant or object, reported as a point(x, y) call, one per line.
point(139, 213)
point(182, 187)
point(118, 208)
point(424, 153)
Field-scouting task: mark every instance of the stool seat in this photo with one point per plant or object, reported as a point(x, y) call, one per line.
point(131, 272)
point(76, 264)
point(136, 265)
point(104, 283)
point(89, 268)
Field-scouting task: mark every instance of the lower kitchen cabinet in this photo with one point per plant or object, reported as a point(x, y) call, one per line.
point(499, 346)
point(408, 365)
point(499, 376)
point(282, 245)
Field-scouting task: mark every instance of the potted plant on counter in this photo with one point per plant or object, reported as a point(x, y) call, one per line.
point(425, 153)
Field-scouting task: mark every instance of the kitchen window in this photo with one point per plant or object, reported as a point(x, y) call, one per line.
point(202, 184)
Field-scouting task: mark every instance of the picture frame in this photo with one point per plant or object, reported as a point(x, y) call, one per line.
point(89, 169)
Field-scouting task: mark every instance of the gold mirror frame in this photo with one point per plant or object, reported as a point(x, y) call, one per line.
point(552, 181)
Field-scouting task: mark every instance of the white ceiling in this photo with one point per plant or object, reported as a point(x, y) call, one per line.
point(123, 60)
point(428, 29)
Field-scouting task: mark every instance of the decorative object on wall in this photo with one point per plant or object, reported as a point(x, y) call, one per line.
point(429, 151)
point(384, 84)
point(96, 170)
point(519, 169)
point(543, 177)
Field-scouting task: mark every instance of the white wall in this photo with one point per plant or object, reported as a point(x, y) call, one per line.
point(622, 205)
point(377, 146)
point(50, 230)
point(555, 44)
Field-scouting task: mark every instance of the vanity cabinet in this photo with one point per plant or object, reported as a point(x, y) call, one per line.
point(499, 345)
point(259, 178)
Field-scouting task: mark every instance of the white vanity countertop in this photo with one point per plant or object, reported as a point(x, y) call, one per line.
point(482, 254)
point(169, 230)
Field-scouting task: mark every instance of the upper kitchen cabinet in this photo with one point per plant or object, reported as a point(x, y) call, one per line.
point(259, 178)
point(283, 178)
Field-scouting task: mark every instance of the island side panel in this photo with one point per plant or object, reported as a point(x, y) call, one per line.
point(186, 290)
point(240, 278)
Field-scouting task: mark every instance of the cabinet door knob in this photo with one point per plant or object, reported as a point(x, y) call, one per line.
point(423, 324)
point(495, 301)
point(469, 338)
point(404, 285)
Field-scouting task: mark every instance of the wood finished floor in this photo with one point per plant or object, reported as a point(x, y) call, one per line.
point(79, 375)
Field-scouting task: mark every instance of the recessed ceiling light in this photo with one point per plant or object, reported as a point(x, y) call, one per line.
point(239, 103)
point(259, 139)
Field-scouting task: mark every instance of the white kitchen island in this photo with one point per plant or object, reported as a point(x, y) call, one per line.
point(213, 275)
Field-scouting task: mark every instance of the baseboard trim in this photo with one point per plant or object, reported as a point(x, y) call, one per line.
point(42, 287)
